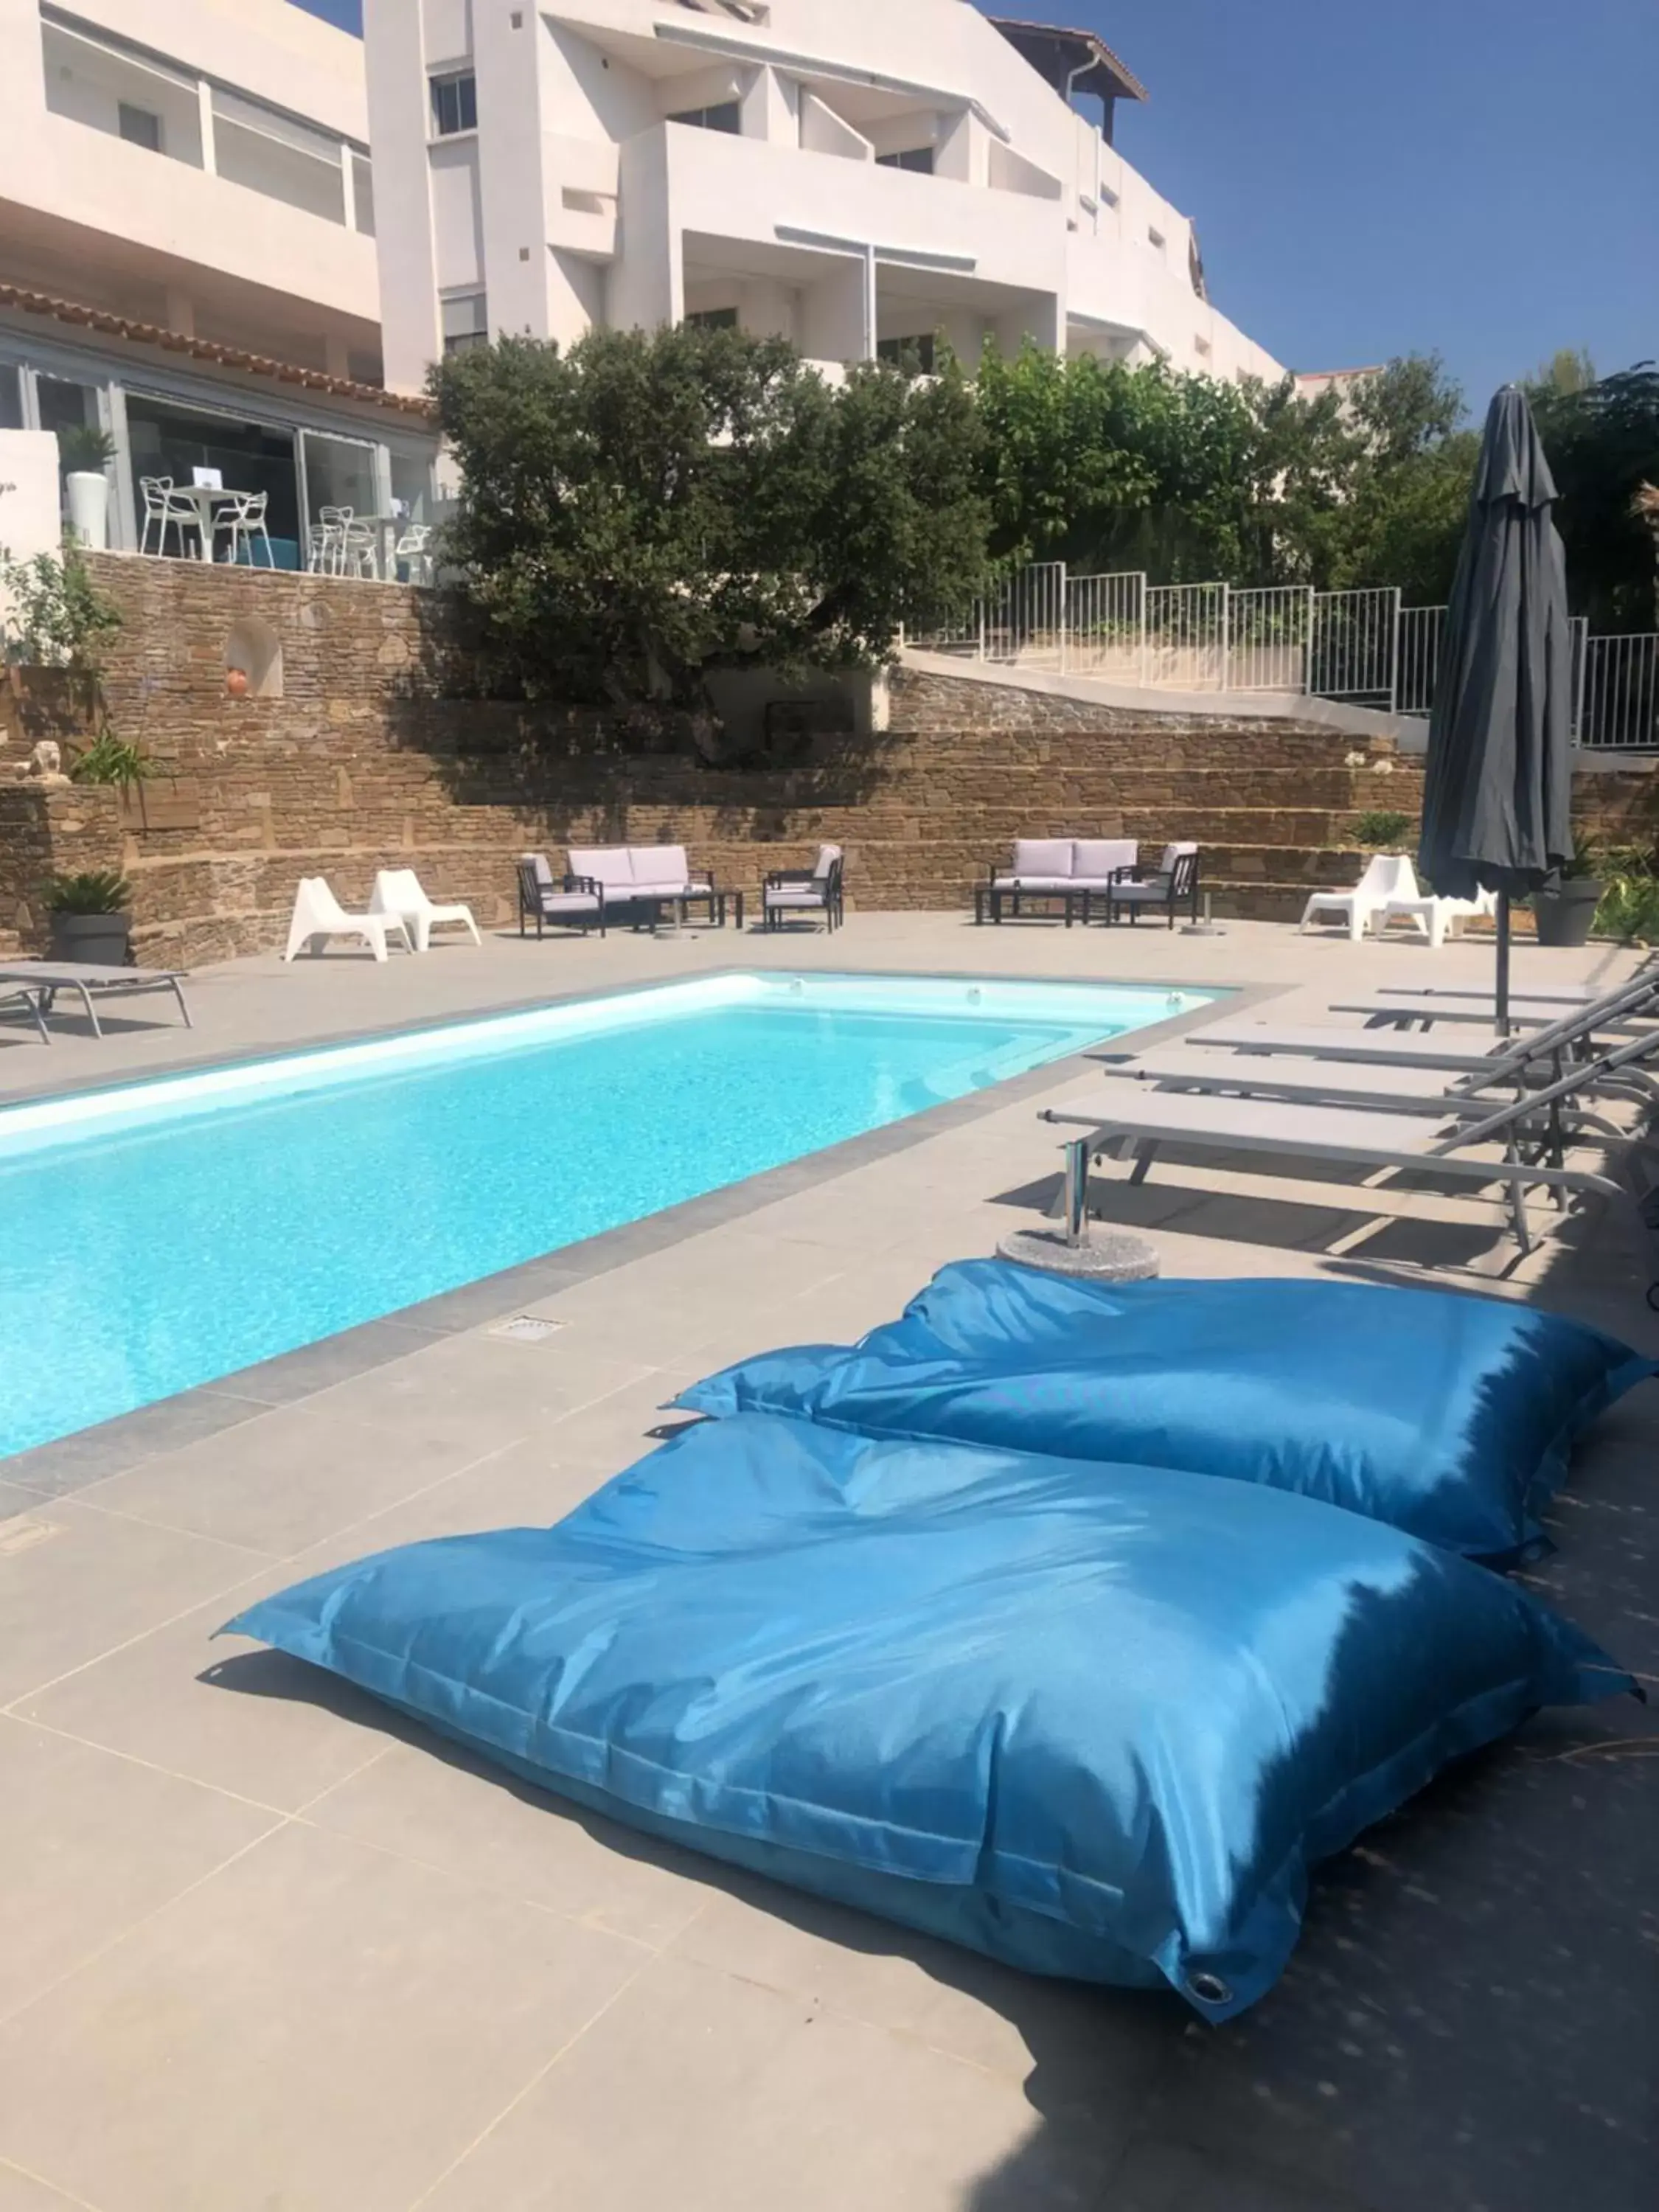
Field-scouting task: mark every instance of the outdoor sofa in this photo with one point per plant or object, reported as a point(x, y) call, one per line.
point(645, 879)
point(1074, 871)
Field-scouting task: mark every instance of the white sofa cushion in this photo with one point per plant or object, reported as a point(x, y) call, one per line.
point(609, 864)
point(656, 865)
point(1096, 858)
point(1042, 856)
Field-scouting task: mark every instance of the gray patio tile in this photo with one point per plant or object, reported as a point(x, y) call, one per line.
point(91, 1454)
point(284, 1483)
point(312, 1367)
point(317, 2025)
point(483, 1388)
point(1166, 2176)
point(426, 1801)
point(848, 1962)
point(25, 2192)
point(87, 1582)
point(232, 1715)
point(711, 2095)
point(64, 1892)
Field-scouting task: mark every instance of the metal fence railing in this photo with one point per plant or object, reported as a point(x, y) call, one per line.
point(1618, 693)
point(1363, 647)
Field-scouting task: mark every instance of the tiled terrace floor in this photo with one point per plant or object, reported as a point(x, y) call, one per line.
point(264, 1950)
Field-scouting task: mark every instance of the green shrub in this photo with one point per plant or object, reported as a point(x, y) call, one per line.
point(97, 890)
point(112, 760)
point(1630, 901)
point(57, 617)
point(1380, 829)
point(82, 447)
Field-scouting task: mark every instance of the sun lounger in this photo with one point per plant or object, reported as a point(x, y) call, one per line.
point(1139, 1120)
point(13, 1001)
point(1551, 1046)
point(398, 891)
point(318, 915)
point(1387, 1089)
point(41, 980)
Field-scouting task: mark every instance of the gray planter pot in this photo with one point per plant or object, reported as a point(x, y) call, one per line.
point(1564, 915)
point(104, 940)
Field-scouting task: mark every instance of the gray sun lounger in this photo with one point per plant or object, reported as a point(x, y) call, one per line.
point(11, 998)
point(1140, 1119)
point(1385, 1089)
point(1552, 1047)
point(41, 980)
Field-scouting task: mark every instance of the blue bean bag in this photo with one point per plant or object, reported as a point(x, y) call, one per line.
point(1094, 1720)
point(1448, 1416)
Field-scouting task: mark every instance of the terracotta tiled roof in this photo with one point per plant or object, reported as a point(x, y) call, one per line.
point(1080, 48)
point(225, 357)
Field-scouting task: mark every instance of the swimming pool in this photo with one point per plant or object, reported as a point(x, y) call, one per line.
point(164, 1234)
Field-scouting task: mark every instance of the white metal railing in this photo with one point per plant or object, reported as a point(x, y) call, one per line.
point(1361, 646)
point(1105, 626)
point(1418, 658)
point(1618, 699)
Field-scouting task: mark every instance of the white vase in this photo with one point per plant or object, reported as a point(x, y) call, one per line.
point(88, 506)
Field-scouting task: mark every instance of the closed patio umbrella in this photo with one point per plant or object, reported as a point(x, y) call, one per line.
point(1497, 800)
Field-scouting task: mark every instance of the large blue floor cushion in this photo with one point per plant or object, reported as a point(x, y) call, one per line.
point(1451, 1417)
point(1094, 1720)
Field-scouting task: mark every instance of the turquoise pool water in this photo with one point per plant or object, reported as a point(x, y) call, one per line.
point(166, 1233)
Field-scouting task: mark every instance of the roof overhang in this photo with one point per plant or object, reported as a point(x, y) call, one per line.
point(1070, 61)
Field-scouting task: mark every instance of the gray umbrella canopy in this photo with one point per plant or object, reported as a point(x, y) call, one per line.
point(1496, 810)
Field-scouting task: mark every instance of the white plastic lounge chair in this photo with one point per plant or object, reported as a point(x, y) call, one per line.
point(1140, 1119)
point(318, 915)
point(1387, 876)
point(1436, 918)
point(398, 891)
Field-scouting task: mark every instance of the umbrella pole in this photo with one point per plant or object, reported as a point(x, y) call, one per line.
point(1501, 1021)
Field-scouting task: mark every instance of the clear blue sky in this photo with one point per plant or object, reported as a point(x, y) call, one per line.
point(1479, 178)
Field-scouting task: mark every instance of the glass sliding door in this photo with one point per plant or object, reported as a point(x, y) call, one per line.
point(167, 439)
point(344, 476)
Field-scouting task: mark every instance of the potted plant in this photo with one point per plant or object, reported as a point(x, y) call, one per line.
point(84, 454)
point(89, 917)
point(1565, 908)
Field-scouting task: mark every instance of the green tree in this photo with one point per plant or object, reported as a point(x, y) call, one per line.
point(647, 507)
point(1602, 440)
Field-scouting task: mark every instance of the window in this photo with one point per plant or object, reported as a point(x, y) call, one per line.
point(723, 118)
point(1155, 238)
point(465, 322)
point(712, 319)
point(919, 158)
point(914, 355)
point(140, 126)
point(362, 193)
point(11, 397)
point(454, 104)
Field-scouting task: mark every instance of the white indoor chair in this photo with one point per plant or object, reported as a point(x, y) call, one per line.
point(1387, 876)
point(398, 891)
point(164, 509)
point(245, 519)
point(411, 549)
point(318, 915)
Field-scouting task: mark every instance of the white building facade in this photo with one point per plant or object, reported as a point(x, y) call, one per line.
point(187, 255)
point(857, 176)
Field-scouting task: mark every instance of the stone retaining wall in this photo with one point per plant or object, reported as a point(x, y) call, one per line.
point(372, 757)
